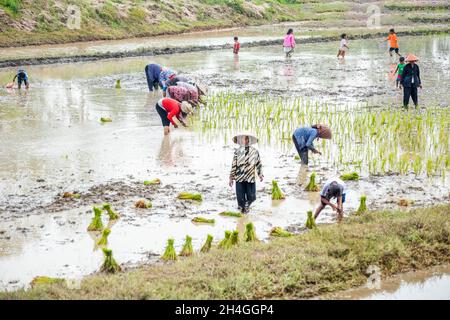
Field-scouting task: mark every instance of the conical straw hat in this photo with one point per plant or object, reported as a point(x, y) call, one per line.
point(239, 138)
point(410, 57)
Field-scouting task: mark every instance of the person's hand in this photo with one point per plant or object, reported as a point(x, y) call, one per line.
point(184, 124)
point(175, 126)
point(317, 152)
point(420, 86)
point(230, 183)
point(261, 178)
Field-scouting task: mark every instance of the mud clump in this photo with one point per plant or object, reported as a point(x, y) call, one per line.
point(143, 204)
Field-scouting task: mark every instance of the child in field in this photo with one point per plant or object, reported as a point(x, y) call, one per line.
point(343, 46)
point(399, 72)
point(393, 42)
point(236, 45)
point(246, 164)
point(289, 43)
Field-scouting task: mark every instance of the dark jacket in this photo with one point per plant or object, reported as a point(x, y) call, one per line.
point(152, 71)
point(410, 73)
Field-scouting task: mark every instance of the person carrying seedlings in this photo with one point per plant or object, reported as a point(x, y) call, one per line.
point(304, 137)
point(343, 46)
point(168, 108)
point(399, 71)
point(21, 76)
point(236, 45)
point(246, 164)
point(393, 42)
point(289, 43)
point(333, 188)
point(411, 80)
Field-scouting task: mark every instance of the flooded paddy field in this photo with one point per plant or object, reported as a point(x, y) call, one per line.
point(52, 141)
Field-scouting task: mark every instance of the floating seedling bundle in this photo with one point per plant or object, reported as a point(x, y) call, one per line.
point(231, 214)
point(276, 192)
point(109, 264)
point(104, 239)
point(104, 119)
point(96, 223)
point(187, 249)
point(362, 205)
point(207, 246)
point(250, 234)
point(118, 86)
point(226, 242)
point(152, 182)
point(169, 253)
point(143, 204)
point(112, 215)
point(350, 176)
point(45, 280)
point(203, 220)
point(279, 232)
point(310, 223)
point(312, 186)
point(190, 196)
point(235, 238)
point(71, 195)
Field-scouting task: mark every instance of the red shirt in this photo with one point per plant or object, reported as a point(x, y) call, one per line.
point(236, 47)
point(172, 107)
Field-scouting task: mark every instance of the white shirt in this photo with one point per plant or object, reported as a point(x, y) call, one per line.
point(343, 44)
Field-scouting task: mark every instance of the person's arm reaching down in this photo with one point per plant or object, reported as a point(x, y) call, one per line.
point(309, 143)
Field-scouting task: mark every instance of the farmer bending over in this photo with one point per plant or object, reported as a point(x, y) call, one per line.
point(168, 108)
point(333, 188)
point(304, 137)
point(21, 77)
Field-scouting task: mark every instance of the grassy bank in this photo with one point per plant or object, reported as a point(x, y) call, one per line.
point(327, 259)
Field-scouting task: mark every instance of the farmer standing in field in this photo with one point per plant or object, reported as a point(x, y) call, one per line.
point(393, 42)
point(246, 164)
point(304, 137)
point(289, 43)
point(168, 108)
point(333, 188)
point(411, 80)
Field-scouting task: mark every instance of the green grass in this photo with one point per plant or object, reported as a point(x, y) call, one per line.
point(11, 6)
point(326, 259)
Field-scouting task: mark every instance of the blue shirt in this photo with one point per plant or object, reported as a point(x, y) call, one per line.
point(305, 137)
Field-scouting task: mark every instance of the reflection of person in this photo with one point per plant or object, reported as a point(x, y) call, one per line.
point(333, 188)
point(246, 164)
point(399, 71)
point(21, 76)
point(236, 45)
point(168, 108)
point(393, 42)
point(289, 43)
point(303, 139)
point(170, 152)
point(343, 46)
point(411, 80)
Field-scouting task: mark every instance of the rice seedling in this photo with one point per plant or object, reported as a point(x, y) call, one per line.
point(297, 157)
point(250, 234)
point(112, 214)
point(312, 186)
point(169, 253)
point(231, 214)
point(225, 243)
point(207, 245)
point(350, 176)
point(187, 249)
point(279, 232)
point(39, 280)
point(117, 86)
point(203, 220)
point(190, 196)
point(362, 205)
point(143, 204)
point(276, 192)
point(235, 238)
point(310, 222)
point(104, 119)
point(71, 195)
point(96, 223)
point(109, 263)
point(104, 239)
point(152, 182)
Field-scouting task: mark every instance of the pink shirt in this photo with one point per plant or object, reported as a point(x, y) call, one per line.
point(289, 41)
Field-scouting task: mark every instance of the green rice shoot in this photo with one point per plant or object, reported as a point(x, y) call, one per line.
point(250, 234)
point(112, 214)
point(280, 232)
point(310, 222)
point(203, 220)
point(207, 245)
point(169, 253)
point(109, 264)
point(96, 223)
point(350, 176)
point(187, 249)
point(276, 192)
point(190, 196)
point(104, 239)
point(312, 186)
point(231, 214)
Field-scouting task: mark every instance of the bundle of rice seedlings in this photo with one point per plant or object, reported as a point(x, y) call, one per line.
point(104, 239)
point(112, 215)
point(117, 86)
point(207, 246)
point(231, 214)
point(109, 264)
point(143, 204)
point(312, 186)
point(350, 176)
point(190, 196)
point(279, 232)
point(276, 192)
point(103, 119)
point(310, 223)
point(71, 195)
point(250, 234)
point(96, 223)
point(405, 202)
point(234, 238)
point(296, 157)
point(362, 205)
point(45, 280)
point(203, 220)
point(187, 249)
point(169, 253)
point(152, 182)
point(226, 242)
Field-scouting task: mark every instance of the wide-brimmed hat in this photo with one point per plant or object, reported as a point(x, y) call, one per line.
point(202, 89)
point(239, 138)
point(186, 107)
point(410, 57)
point(324, 131)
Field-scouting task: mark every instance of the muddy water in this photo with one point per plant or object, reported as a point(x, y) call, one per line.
point(52, 141)
point(420, 285)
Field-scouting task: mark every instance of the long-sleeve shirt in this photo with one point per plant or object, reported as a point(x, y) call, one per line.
point(305, 137)
point(164, 77)
point(21, 75)
point(289, 41)
point(411, 76)
point(152, 72)
point(246, 164)
point(172, 107)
